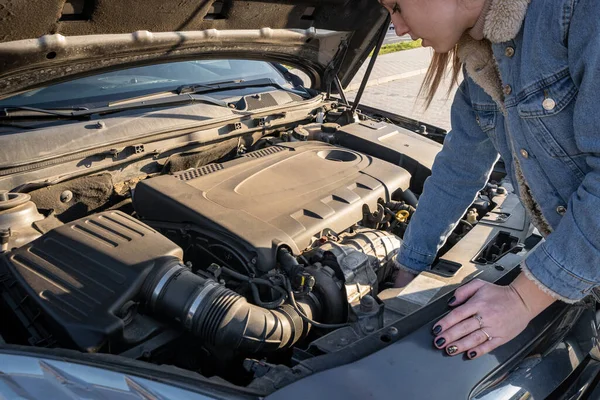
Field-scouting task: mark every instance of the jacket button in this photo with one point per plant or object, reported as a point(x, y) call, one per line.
point(549, 104)
point(507, 90)
point(524, 153)
point(561, 210)
point(509, 52)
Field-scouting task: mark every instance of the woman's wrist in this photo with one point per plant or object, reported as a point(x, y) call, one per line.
point(533, 297)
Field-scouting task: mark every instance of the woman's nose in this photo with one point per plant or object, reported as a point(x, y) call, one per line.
point(400, 26)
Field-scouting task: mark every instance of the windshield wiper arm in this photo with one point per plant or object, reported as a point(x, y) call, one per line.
point(239, 84)
point(193, 88)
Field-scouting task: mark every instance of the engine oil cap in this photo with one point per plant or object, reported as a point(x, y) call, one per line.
point(300, 133)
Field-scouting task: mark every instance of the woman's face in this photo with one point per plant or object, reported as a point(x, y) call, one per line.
point(440, 23)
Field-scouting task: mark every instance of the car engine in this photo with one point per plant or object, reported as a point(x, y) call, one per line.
point(215, 269)
point(282, 196)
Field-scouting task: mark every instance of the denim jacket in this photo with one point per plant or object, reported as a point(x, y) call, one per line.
point(531, 93)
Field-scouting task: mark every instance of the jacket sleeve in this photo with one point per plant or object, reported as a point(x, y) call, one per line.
point(460, 171)
point(567, 264)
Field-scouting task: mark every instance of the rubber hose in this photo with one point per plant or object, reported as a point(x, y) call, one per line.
point(222, 317)
point(287, 261)
point(267, 304)
point(409, 197)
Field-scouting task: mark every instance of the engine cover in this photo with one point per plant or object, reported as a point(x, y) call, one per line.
point(286, 194)
point(78, 276)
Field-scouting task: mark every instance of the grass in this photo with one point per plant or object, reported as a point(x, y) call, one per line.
point(394, 47)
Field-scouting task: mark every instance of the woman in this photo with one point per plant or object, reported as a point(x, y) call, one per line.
point(531, 93)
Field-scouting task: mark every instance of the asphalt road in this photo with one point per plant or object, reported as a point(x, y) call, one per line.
point(395, 83)
point(401, 97)
point(394, 86)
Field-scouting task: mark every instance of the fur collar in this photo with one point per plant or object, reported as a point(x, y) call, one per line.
point(481, 66)
point(502, 23)
point(504, 20)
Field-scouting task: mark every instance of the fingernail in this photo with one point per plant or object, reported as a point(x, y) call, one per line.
point(452, 300)
point(472, 354)
point(437, 330)
point(440, 342)
point(452, 349)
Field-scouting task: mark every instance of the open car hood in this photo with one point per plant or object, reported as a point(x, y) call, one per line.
point(47, 41)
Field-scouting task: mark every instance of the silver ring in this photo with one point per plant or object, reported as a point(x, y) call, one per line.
point(163, 282)
point(189, 316)
point(486, 334)
point(478, 317)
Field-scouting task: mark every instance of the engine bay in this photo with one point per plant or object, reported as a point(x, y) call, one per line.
point(250, 262)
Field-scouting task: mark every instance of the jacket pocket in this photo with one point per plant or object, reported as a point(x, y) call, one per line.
point(547, 115)
point(486, 117)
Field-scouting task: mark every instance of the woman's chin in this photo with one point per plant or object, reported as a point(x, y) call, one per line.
point(427, 43)
point(436, 47)
point(430, 44)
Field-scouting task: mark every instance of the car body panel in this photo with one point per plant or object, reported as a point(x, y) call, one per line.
point(37, 377)
point(413, 368)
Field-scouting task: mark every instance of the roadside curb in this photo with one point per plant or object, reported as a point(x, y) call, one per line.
point(380, 81)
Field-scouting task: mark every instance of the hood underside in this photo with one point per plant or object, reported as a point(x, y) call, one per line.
point(45, 41)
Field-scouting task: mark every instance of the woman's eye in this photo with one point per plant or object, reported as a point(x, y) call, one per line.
point(396, 9)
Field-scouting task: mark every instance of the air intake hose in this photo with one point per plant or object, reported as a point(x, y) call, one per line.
point(220, 316)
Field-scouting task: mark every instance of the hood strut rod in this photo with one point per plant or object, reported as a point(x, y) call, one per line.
point(340, 89)
point(363, 84)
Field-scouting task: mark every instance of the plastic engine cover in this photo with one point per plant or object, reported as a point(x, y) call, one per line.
point(286, 194)
point(82, 273)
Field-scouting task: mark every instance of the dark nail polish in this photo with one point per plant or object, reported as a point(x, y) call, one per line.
point(440, 342)
point(472, 354)
point(437, 330)
point(452, 300)
point(452, 349)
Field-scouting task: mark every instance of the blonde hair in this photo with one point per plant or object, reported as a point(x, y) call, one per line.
point(436, 72)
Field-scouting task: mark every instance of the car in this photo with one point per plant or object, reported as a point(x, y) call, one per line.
point(190, 207)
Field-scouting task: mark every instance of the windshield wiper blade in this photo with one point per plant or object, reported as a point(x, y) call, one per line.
point(9, 125)
point(8, 111)
point(168, 102)
point(85, 113)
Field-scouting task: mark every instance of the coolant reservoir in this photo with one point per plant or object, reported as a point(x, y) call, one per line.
point(17, 215)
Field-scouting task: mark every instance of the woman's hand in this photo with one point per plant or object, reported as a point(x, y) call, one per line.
point(488, 315)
